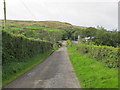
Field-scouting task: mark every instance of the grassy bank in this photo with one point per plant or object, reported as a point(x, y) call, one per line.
point(91, 73)
point(16, 69)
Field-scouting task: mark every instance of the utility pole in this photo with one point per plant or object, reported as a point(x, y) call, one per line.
point(4, 13)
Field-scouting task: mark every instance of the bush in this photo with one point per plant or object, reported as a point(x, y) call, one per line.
point(17, 48)
point(105, 54)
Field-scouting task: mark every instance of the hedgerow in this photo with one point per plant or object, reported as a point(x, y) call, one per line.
point(91, 73)
point(17, 48)
point(106, 54)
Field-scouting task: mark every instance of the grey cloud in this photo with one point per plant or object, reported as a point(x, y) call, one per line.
point(75, 12)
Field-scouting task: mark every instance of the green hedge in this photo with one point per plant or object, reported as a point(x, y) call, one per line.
point(107, 55)
point(18, 48)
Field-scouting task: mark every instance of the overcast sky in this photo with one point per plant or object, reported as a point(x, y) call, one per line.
point(76, 12)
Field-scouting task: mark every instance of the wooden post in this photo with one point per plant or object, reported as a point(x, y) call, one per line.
point(4, 13)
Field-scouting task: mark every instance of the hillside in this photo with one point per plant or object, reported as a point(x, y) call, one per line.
point(44, 30)
point(56, 31)
point(50, 24)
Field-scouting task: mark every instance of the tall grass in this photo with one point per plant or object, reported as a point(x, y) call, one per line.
point(91, 73)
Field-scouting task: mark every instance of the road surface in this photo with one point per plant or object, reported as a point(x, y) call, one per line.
point(54, 72)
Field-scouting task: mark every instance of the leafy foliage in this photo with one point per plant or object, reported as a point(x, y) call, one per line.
point(17, 48)
point(107, 55)
point(37, 32)
point(100, 36)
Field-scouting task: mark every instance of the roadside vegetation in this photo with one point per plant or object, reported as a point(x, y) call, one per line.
point(20, 54)
point(106, 54)
point(22, 49)
point(91, 72)
point(14, 69)
point(95, 56)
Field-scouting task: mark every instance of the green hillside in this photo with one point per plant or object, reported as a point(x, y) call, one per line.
point(50, 24)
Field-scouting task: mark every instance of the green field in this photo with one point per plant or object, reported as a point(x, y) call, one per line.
point(35, 31)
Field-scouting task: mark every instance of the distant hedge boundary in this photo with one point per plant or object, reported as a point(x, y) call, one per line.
point(106, 54)
point(17, 48)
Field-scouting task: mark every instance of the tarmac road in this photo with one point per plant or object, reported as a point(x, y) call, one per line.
point(54, 72)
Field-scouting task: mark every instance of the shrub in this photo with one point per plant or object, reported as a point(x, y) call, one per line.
point(17, 48)
point(105, 54)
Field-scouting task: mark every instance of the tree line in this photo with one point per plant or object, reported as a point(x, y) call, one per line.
point(99, 36)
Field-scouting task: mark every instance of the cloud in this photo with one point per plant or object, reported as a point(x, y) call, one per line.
point(77, 12)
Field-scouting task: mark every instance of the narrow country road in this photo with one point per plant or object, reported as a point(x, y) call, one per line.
point(54, 72)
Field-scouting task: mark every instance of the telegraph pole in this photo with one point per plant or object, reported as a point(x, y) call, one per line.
point(4, 13)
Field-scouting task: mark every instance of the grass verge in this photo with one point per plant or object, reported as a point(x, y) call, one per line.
point(91, 73)
point(16, 69)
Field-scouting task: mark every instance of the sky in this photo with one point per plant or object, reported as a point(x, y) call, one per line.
point(77, 12)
